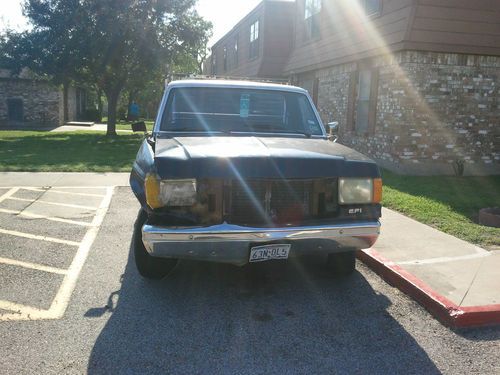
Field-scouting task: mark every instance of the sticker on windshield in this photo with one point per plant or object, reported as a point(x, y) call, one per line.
point(313, 127)
point(244, 105)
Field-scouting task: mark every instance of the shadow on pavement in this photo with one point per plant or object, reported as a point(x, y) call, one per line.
point(271, 318)
point(481, 333)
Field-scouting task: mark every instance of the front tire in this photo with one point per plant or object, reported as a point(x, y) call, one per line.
point(148, 266)
point(342, 264)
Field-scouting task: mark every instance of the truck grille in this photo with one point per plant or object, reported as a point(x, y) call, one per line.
point(278, 202)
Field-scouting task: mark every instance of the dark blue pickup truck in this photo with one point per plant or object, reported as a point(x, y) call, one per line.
point(239, 172)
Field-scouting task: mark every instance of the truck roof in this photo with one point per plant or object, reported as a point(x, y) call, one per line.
point(234, 84)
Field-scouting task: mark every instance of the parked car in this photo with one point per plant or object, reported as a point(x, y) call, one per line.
point(238, 172)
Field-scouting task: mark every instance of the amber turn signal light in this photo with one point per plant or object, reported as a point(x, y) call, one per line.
point(152, 187)
point(377, 190)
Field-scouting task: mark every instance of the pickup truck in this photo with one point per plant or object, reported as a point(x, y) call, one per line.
point(242, 172)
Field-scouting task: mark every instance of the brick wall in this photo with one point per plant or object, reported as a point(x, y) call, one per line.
point(41, 101)
point(433, 109)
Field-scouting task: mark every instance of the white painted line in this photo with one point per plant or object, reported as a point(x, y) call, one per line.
point(56, 187)
point(20, 312)
point(61, 301)
point(37, 237)
point(9, 194)
point(36, 216)
point(63, 296)
point(33, 266)
point(54, 203)
point(443, 259)
point(65, 192)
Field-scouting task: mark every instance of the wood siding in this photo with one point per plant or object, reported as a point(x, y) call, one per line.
point(456, 26)
point(275, 28)
point(346, 34)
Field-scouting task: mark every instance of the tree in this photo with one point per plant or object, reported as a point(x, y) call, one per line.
point(115, 44)
point(130, 39)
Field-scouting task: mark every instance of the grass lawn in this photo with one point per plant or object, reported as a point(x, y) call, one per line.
point(450, 204)
point(81, 151)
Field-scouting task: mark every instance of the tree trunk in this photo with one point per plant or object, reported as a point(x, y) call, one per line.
point(112, 107)
point(65, 101)
point(129, 103)
point(99, 103)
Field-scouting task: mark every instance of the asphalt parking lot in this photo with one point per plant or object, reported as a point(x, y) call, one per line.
point(71, 301)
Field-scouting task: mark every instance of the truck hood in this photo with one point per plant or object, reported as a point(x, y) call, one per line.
point(258, 157)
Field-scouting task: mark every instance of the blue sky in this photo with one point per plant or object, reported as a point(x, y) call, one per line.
point(224, 14)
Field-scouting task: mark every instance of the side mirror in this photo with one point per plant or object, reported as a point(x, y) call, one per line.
point(333, 129)
point(139, 127)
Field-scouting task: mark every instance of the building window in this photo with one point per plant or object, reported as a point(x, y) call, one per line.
point(254, 40)
point(311, 16)
point(363, 104)
point(214, 63)
point(225, 59)
point(366, 101)
point(235, 52)
point(371, 7)
point(15, 110)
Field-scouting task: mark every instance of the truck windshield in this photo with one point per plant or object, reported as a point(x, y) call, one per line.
point(202, 109)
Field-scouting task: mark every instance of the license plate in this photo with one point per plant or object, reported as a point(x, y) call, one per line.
point(269, 252)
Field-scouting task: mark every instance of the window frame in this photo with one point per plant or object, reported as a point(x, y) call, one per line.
point(225, 62)
point(312, 19)
point(254, 46)
point(214, 63)
point(15, 109)
point(361, 100)
point(354, 100)
point(374, 13)
point(235, 52)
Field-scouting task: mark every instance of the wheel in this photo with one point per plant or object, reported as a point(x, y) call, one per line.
point(148, 266)
point(342, 264)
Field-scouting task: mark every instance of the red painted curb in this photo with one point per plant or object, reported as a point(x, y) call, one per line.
point(441, 307)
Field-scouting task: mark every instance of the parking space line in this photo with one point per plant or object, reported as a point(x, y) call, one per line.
point(55, 187)
point(65, 192)
point(33, 266)
point(8, 194)
point(37, 237)
point(63, 296)
point(53, 203)
point(19, 311)
point(37, 216)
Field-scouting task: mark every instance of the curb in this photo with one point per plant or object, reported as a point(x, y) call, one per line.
point(439, 306)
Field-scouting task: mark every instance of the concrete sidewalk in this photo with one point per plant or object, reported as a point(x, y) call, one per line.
point(456, 281)
point(59, 179)
point(94, 127)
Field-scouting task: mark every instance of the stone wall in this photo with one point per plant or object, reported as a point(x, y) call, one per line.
point(434, 110)
point(41, 102)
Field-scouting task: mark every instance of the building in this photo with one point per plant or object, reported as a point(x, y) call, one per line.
point(29, 102)
point(258, 46)
point(414, 84)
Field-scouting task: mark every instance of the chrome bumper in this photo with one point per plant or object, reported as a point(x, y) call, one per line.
point(227, 243)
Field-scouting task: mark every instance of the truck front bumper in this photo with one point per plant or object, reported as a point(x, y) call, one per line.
point(228, 243)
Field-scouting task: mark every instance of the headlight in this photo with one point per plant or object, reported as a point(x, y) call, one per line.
point(360, 190)
point(173, 193)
